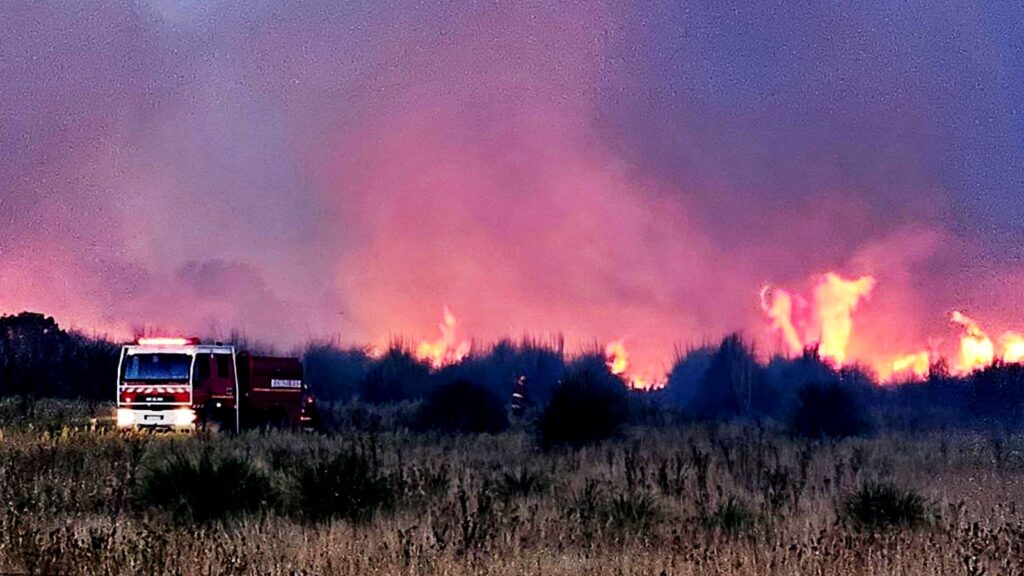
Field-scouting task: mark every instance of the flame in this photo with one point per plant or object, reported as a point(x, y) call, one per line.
point(778, 305)
point(617, 357)
point(447, 350)
point(917, 365)
point(835, 300)
point(976, 348)
point(1013, 348)
point(617, 360)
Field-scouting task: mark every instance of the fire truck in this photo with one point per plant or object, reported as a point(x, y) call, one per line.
point(183, 384)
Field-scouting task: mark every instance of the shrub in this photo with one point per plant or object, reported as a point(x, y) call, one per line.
point(463, 407)
point(396, 376)
point(633, 510)
point(205, 488)
point(687, 373)
point(829, 411)
point(349, 485)
point(522, 483)
point(732, 516)
point(333, 373)
point(734, 384)
point(537, 364)
point(589, 406)
point(884, 506)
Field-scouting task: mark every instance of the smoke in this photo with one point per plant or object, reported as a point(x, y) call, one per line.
point(603, 171)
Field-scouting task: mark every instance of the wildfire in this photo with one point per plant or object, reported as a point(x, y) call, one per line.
point(617, 359)
point(917, 365)
point(976, 348)
point(446, 350)
point(826, 323)
point(831, 315)
point(1013, 348)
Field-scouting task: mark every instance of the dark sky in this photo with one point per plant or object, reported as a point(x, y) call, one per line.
point(604, 170)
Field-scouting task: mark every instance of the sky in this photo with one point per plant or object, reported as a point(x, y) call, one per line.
point(600, 170)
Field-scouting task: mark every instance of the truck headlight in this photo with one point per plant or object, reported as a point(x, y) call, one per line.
point(125, 417)
point(184, 417)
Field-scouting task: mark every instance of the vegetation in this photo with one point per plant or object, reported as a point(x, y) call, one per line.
point(591, 405)
point(879, 506)
point(463, 407)
point(740, 466)
point(348, 485)
point(729, 499)
point(205, 487)
point(829, 410)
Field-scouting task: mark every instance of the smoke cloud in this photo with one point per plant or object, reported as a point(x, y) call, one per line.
point(605, 171)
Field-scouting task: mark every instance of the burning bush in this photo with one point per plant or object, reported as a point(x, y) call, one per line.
point(349, 485)
point(463, 407)
point(205, 488)
point(591, 405)
point(880, 506)
point(829, 410)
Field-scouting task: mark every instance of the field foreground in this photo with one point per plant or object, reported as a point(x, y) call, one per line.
point(691, 500)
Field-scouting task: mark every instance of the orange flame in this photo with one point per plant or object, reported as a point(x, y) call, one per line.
point(835, 301)
point(617, 360)
point(1013, 348)
point(976, 348)
point(778, 305)
point(447, 350)
point(917, 365)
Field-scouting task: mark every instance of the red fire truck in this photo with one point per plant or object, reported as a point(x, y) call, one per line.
point(181, 383)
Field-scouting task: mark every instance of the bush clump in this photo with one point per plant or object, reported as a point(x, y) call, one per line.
point(734, 384)
point(587, 408)
point(732, 517)
point(463, 407)
point(829, 411)
point(880, 506)
point(349, 485)
point(206, 488)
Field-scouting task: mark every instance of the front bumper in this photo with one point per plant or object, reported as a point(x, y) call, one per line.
point(176, 418)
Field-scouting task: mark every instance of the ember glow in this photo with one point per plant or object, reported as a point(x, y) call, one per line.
point(447, 349)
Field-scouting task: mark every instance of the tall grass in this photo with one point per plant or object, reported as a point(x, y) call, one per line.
point(734, 499)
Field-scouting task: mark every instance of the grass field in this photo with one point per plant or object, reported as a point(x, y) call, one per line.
point(693, 499)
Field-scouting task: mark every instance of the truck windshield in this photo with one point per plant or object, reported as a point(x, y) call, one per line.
point(157, 367)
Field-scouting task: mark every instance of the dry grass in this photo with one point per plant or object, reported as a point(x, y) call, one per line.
point(652, 503)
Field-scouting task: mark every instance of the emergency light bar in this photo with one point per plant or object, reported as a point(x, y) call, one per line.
point(167, 341)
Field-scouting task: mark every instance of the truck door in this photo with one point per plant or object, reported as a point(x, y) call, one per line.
point(201, 379)
point(222, 377)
